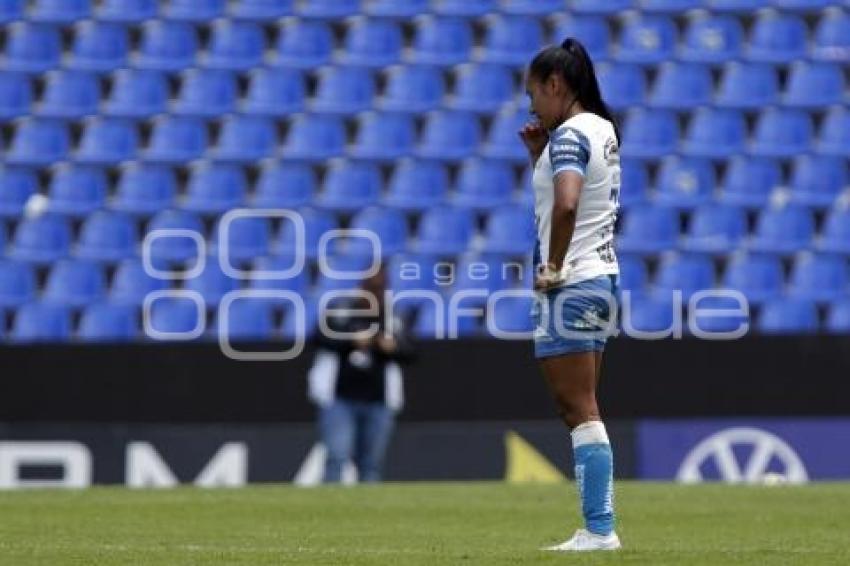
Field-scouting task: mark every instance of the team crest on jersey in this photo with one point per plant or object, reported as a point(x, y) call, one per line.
point(612, 151)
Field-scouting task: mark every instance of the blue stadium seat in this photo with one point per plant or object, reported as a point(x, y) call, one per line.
point(834, 138)
point(127, 11)
point(669, 6)
point(389, 225)
point(785, 316)
point(17, 283)
point(804, 5)
point(350, 185)
point(107, 322)
point(838, 319)
point(463, 8)
point(835, 236)
point(372, 43)
point(247, 238)
point(11, 10)
point(398, 9)
point(285, 185)
point(303, 44)
point(682, 86)
point(69, 94)
point(136, 93)
point(417, 185)
point(686, 273)
point(777, 37)
point(59, 11)
point(197, 11)
point(450, 135)
point(316, 223)
point(729, 319)
point(648, 229)
point(74, 283)
point(314, 138)
point(131, 283)
point(383, 136)
point(782, 133)
point(783, 229)
point(411, 273)
point(512, 314)
point(483, 184)
point(206, 92)
point(758, 276)
point(715, 133)
point(173, 249)
point(167, 45)
point(16, 95)
point(329, 282)
point(596, 7)
point(412, 88)
point(715, 229)
point(481, 87)
point(43, 239)
point(99, 46)
point(77, 190)
point(297, 283)
point(511, 40)
point(261, 10)
point(144, 188)
point(634, 275)
point(510, 230)
point(179, 316)
point(623, 85)
point(38, 142)
point(247, 320)
point(818, 179)
point(593, 32)
point(647, 39)
point(177, 139)
point(236, 46)
point(749, 181)
point(215, 187)
point(426, 326)
point(832, 36)
point(275, 92)
point(444, 230)
point(343, 90)
point(501, 141)
point(329, 9)
point(212, 283)
point(40, 322)
point(650, 134)
point(814, 85)
point(441, 41)
point(748, 86)
point(107, 141)
point(711, 38)
point(107, 236)
point(17, 185)
point(292, 328)
point(490, 273)
point(685, 182)
point(737, 5)
point(245, 139)
point(820, 278)
point(634, 182)
point(31, 48)
point(650, 314)
point(532, 7)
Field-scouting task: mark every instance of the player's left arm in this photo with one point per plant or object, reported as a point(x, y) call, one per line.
point(569, 153)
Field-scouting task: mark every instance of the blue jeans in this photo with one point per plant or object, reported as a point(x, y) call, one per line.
point(358, 431)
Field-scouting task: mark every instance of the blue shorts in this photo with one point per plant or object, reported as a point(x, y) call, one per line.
point(585, 314)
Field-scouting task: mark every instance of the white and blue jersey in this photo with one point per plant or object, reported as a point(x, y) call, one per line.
point(586, 144)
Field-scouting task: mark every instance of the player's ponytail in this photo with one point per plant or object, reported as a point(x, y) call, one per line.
point(571, 60)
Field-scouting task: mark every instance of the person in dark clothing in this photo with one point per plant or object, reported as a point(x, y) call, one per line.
point(356, 382)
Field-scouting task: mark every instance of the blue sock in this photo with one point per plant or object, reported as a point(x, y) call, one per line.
point(594, 476)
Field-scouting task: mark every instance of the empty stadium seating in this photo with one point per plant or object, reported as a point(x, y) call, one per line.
point(124, 117)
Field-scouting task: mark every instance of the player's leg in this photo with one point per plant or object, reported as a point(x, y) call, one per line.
point(375, 425)
point(336, 428)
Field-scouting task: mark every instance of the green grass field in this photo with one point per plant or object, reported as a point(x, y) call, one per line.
point(421, 524)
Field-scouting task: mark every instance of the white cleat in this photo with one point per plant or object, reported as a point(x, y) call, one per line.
point(584, 541)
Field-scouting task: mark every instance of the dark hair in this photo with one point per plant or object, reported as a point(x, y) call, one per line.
point(571, 60)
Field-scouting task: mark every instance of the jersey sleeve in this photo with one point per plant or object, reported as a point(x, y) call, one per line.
point(569, 150)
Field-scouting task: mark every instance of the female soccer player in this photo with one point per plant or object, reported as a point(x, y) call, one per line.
point(573, 147)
